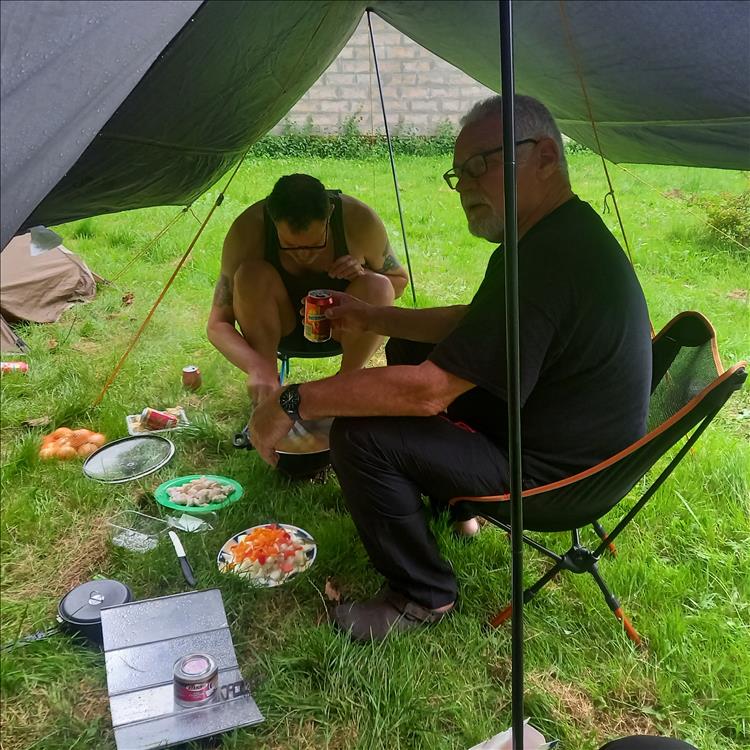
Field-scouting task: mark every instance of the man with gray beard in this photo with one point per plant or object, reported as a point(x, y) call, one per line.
point(434, 422)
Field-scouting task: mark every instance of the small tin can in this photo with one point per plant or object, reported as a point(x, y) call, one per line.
point(317, 326)
point(158, 420)
point(7, 367)
point(196, 679)
point(191, 378)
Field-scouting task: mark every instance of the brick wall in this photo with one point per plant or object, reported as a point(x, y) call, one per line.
point(421, 91)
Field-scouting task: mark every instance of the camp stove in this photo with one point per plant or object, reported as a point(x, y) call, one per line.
point(143, 641)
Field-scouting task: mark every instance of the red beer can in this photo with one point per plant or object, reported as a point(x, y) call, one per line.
point(6, 367)
point(158, 420)
point(317, 326)
point(191, 377)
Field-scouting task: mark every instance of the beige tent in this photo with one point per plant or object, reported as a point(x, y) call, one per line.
point(38, 288)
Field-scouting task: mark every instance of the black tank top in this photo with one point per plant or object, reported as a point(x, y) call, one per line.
point(299, 286)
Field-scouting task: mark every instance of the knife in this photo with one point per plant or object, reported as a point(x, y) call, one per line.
point(187, 571)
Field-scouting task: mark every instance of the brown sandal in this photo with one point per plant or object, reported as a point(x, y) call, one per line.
point(388, 612)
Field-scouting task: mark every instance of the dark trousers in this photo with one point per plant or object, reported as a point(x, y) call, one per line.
point(647, 743)
point(386, 464)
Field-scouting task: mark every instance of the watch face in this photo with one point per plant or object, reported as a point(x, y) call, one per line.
point(289, 401)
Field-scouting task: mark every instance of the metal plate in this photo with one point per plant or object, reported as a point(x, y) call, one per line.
point(142, 641)
point(129, 458)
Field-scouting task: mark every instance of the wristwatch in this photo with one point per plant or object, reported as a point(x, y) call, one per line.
point(289, 401)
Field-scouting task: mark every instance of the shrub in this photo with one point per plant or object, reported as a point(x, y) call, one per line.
point(730, 214)
point(350, 143)
point(573, 147)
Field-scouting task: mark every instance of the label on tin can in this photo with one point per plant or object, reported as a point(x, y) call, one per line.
point(194, 693)
point(317, 326)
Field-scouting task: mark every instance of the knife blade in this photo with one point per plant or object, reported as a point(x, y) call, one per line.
point(187, 571)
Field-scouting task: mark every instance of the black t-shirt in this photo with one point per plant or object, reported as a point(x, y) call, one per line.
point(585, 347)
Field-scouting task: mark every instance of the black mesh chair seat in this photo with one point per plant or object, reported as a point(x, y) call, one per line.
point(689, 387)
point(296, 346)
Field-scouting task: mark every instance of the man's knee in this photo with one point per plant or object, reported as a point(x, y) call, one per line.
point(374, 288)
point(346, 439)
point(256, 275)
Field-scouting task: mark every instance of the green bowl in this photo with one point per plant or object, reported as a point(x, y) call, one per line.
point(161, 496)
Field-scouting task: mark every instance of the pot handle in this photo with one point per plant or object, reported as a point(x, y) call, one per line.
point(31, 638)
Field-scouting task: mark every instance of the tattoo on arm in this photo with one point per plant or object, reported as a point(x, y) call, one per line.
point(390, 261)
point(223, 292)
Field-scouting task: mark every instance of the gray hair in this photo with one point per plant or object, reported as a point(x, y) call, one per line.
point(533, 119)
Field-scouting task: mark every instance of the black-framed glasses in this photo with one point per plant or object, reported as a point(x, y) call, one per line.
point(322, 246)
point(475, 166)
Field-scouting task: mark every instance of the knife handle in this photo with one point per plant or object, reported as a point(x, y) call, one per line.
point(187, 571)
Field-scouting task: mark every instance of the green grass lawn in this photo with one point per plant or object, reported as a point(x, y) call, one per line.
point(683, 573)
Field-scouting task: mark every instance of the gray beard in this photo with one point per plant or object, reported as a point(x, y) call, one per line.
point(488, 228)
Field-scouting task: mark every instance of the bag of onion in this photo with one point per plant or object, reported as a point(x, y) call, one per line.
point(65, 443)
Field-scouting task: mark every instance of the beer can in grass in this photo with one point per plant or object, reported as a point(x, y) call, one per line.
point(191, 378)
point(8, 367)
point(317, 326)
point(158, 420)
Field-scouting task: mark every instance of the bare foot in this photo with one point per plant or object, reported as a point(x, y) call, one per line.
point(467, 528)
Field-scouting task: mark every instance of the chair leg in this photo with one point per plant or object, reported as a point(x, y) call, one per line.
point(602, 534)
point(283, 370)
point(614, 605)
point(505, 614)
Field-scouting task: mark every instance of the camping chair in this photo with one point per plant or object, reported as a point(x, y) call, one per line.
point(304, 349)
point(688, 388)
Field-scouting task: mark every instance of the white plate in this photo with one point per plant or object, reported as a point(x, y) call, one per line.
point(298, 535)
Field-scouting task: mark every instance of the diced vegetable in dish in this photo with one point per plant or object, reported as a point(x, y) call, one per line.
point(268, 554)
point(201, 491)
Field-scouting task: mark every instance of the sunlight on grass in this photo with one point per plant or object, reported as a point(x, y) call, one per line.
point(681, 573)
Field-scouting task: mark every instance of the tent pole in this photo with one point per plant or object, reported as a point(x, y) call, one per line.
point(393, 161)
point(507, 91)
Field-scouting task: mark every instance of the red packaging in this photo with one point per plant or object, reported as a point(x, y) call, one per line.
point(191, 378)
point(6, 367)
point(317, 326)
point(158, 420)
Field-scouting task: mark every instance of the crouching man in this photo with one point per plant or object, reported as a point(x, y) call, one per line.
point(300, 237)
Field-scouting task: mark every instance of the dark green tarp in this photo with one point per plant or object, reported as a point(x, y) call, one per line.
point(109, 106)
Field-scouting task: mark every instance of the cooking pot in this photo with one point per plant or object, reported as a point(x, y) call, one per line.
point(297, 465)
point(79, 611)
point(302, 465)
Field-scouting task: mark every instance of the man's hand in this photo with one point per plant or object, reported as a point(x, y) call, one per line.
point(259, 387)
point(268, 424)
point(348, 314)
point(346, 267)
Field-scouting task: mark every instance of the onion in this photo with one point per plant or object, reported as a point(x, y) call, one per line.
point(77, 438)
point(65, 452)
point(47, 452)
point(60, 431)
point(87, 449)
point(97, 439)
